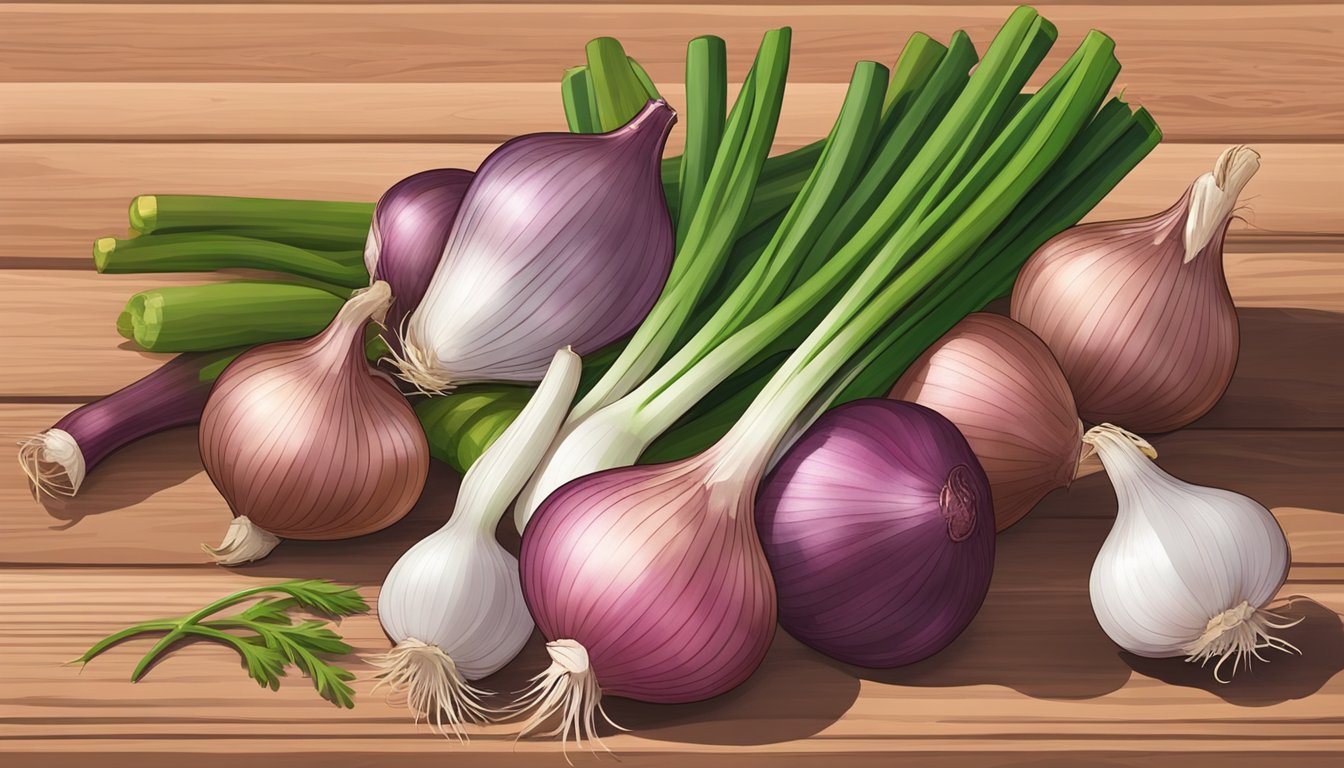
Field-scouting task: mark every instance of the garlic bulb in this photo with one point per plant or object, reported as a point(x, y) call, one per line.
point(453, 603)
point(1138, 312)
point(1186, 570)
point(562, 239)
point(306, 441)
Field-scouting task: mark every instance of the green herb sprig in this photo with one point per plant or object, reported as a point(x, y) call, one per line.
point(263, 634)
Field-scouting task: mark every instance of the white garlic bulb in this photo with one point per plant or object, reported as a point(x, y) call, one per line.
point(453, 603)
point(1186, 570)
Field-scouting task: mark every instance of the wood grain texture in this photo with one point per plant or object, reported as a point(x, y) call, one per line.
point(55, 199)
point(1274, 72)
point(1034, 651)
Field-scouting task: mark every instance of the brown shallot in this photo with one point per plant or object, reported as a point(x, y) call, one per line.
point(305, 440)
point(998, 382)
point(1138, 312)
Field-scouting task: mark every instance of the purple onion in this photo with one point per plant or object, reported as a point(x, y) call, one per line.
point(410, 228)
point(879, 529)
point(57, 460)
point(646, 580)
point(561, 240)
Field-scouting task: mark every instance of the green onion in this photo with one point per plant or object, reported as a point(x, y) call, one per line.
point(620, 94)
point(715, 224)
point(199, 318)
point(207, 251)
point(706, 107)
point(306, 223)
point(576, 91)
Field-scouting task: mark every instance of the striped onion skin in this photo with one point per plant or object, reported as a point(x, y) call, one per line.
point(561, 240)
point(879, 530)
point(409, 230)
point(307, 441)
point(998, 382)
point(1138, 312)
point(658, 577)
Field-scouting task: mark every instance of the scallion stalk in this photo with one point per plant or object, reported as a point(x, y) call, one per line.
point(716, 221)
point(576, 91)
point(199, 318)
point(620, 94)
point(315, 224)
point(208, 251)
point(706, 107)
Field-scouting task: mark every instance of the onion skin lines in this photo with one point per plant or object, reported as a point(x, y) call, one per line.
point(561, 240)
point(1138, 312)
point(306, 441)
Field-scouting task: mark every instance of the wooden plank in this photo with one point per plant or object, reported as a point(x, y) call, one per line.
point(68, 347)
point(1032, 674)
point(55, 199)
point(1269, 73)
point(152, 503)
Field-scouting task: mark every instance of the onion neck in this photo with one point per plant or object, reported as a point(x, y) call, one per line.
point(1213, 197)
point(1089, 458)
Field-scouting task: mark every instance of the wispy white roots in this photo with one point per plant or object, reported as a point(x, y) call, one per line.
point(1239, 634)
point(53, 463)
point(420, 369)
point(425, 680)
point(243, 543)
point(568, 689)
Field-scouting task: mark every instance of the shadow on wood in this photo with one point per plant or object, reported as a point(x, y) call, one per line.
point(1281, 677)
point(793, 695)
point(1288, 373)
point(130, 476)
point(366, 559)
point(1036, 632)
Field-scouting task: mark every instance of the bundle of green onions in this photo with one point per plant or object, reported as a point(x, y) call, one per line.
point(749, 246)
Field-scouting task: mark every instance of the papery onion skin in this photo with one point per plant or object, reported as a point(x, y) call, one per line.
point(1141, 321)
point(561, 240)
point(998, 383)
point(879, 530)
point(666, 589)
point(410, 228)
point(309, 442)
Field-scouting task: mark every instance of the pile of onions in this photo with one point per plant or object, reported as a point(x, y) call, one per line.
point(998, 382)
point(879, 530)
point(1138, 312)
point(561, 240)
point(305, 440)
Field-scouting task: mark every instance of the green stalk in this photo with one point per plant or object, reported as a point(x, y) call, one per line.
point(620, 94)
point(208, 251)
point(903, 139)
point(715, 225)
point(876, 297)
point(314, 224)
point(198, 318)
point(876, 371)
point(576, 91)
point(706, 107)
point(921, 183)
point(842, 161)
point(916, 64)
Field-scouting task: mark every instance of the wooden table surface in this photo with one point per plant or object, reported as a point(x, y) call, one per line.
point(101, 101)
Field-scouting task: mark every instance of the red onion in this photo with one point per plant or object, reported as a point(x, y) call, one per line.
point(999, 384)
point(651, 585)
point(306, 441)
point(57, 460)
point(1138, 312)
point(561, 240)
point(880, 533)
point(406, 239)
